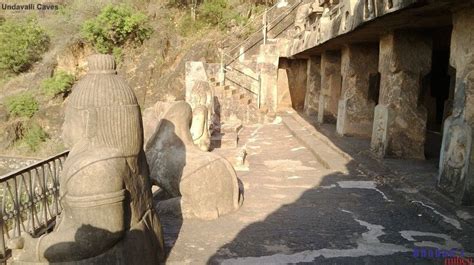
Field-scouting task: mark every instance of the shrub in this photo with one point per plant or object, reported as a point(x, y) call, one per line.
point(115, 26)
point(219, 13)
point(22, 105)
point(34, 136)
point(22, 44)
point(213, 11)
point(60, 83)
point(118, 55)
point(187, 26)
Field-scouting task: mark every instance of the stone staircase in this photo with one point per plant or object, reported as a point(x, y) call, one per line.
point(236, 101)
point(233, 103)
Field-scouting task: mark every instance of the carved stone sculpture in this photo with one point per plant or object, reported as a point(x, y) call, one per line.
point(200, 98)
point(198, 184)
point(108, 215)
point(301, 17)
point(455, 177)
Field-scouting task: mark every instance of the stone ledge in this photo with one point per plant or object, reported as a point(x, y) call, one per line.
point(332, 157)
point(323, 152)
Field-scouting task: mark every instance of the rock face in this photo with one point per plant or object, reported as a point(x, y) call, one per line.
point(400, 122)
point(108, 215)
point(199, 184)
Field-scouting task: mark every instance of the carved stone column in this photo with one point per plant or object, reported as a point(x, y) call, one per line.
point(330, 86)
point(356, 110)
point(456, 172)
point(313, 86)
point(400, 121)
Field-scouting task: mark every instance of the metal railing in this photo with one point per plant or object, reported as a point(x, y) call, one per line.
point(260, 34)
point(30, 199)
point(229, 59)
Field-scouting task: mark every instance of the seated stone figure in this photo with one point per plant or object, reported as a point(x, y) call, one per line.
point(454, 177)
point(108, 215)
point(197, 184)
point(200, 121)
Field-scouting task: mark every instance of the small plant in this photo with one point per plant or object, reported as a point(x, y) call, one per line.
point(22, 44)
point(59, 84)
point(34, 136)
point(22, 105)
point(115, 26)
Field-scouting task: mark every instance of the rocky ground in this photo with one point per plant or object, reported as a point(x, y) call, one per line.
point(299, 210)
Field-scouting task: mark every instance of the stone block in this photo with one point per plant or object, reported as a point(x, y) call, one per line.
point(194, 71)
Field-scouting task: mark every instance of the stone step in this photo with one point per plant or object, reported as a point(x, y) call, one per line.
point(238, 96)
point(232, 126)
point(225, 140)
point(246, 101)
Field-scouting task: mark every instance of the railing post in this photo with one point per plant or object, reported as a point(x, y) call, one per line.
point(259, 91)
point(264, 29)
point(3, 249)
point(222, 69)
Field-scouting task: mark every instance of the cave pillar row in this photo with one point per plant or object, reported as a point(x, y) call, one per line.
point(330, 86)
point(356, 109)
point(399, 127)
point(456, 164)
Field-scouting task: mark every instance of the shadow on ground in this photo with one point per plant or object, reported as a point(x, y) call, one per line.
point(330, 224)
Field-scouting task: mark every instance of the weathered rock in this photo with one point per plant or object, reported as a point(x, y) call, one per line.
point(108, 215)
point(356, 108)
point(3, 114)
point(313, 86)
point(152, 116)
point(12, 131)
point(195, 72)
point(292, 86)
point(404, 58)
point(456, 173)
point(201, 185)
point(267, 64)
point(283, 91)
point(330, 86)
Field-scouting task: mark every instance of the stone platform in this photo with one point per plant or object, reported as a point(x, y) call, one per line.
point(298, 210)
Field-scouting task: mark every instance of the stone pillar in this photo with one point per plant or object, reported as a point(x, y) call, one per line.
point(330, 86)
point(356, 111)
point(400, 122)
point(267, 65)
point(456, 172)
point(313, 86)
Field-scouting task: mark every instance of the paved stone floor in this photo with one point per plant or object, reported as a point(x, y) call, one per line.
point(297, 212)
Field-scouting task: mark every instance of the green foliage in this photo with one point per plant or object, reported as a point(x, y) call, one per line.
point(22, 105)
point(115, 26)
point(118, 55)
point(187, 26)
point(59, 84)
point(22, 44)
point(219, 13)
point(34, 136)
